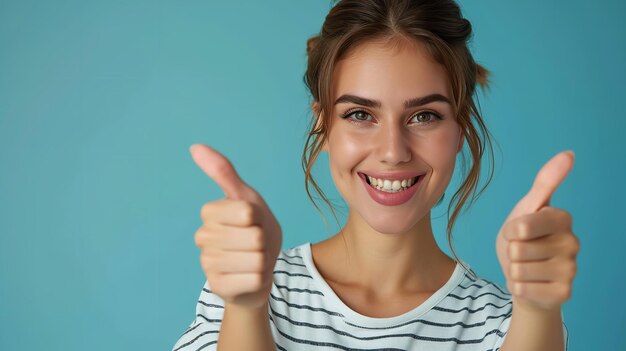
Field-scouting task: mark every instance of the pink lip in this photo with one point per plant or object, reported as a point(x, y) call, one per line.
point(391, 199)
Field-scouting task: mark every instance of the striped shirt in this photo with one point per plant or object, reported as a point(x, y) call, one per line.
point(466, 313)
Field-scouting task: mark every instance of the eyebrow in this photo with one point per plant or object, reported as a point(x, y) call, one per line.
point(414, 102)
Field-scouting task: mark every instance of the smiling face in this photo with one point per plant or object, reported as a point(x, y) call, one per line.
point(393, 137)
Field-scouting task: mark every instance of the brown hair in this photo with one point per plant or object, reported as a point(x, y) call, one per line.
point(436, 23)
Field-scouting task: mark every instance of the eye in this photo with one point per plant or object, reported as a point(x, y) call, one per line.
point(423, 117)
point(435, 116)
point(359, 116)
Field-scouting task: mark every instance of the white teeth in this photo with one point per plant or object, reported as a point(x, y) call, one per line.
point(387, 184)
point(390, 185)
point(373, 181)
point(395, 185)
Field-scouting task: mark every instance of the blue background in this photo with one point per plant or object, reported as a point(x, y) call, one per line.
point(99, 197)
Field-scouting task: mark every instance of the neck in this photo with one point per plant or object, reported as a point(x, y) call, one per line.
point(390, 263)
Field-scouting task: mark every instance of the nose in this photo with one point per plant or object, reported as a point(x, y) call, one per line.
point(392, 145)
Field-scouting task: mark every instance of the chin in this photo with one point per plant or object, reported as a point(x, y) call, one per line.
point(390, 223)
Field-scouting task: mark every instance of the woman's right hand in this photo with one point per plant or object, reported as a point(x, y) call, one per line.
point(240, 238)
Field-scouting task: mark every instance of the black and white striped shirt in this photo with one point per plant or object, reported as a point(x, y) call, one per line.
point(466, 313)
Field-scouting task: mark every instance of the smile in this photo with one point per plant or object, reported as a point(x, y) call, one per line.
point(391, 185)
point(391, 192)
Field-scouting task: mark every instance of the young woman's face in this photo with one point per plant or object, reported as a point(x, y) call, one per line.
point(422, 139)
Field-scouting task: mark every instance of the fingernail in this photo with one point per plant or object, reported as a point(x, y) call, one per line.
point(573, 154)
point(191, 148)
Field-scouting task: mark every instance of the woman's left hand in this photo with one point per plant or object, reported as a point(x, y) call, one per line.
point(536, 246)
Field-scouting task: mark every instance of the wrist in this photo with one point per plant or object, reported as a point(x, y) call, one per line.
point(529, 309)
point(247, 310)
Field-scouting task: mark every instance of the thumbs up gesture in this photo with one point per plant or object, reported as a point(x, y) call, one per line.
point(536, 247)
point(240, 238)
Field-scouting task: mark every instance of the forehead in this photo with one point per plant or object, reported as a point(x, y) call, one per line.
point(390, 72)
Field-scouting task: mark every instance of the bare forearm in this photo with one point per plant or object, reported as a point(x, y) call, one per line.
point(245, 329)
point(533, 329)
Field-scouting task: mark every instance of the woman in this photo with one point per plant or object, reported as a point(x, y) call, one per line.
point(392, 85)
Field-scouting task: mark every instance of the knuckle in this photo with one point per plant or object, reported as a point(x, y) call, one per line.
point(552, 210)
point(217, 284)
point(571, 271)
point(516, 271)
point(197, 238)
point(565, 292)
point(523, 228)
point(567, 217)
point(516, 250)
point(205, 211)
point(575, 243)
point(204, 263)
point(203, 238)
point(246, 212)
point(213, 280)
point(259, 262)
point(257, 237)
point(257, 281)
point(210, 262)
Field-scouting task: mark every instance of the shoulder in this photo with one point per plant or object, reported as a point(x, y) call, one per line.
point(475, 297)
point(475, 285)
point(295, 253)
point(295, 278)
point(480, 306)
point(291, 264)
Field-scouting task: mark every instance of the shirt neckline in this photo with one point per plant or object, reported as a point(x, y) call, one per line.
point(362, 320)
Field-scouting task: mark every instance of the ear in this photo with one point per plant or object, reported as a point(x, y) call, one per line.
point(315, 107)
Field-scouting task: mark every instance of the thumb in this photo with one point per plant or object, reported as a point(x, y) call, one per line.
point(220, 169)
point(548, 179)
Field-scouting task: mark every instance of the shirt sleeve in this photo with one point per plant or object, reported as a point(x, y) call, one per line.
point(504, 327)
point(203, 331)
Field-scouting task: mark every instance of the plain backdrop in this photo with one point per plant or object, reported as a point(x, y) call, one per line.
point(100, 199)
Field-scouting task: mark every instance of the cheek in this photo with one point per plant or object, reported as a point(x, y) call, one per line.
point(345, 149)
point(345, 152)
point(438, 149)
point(440, 152)
point(348, 141)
